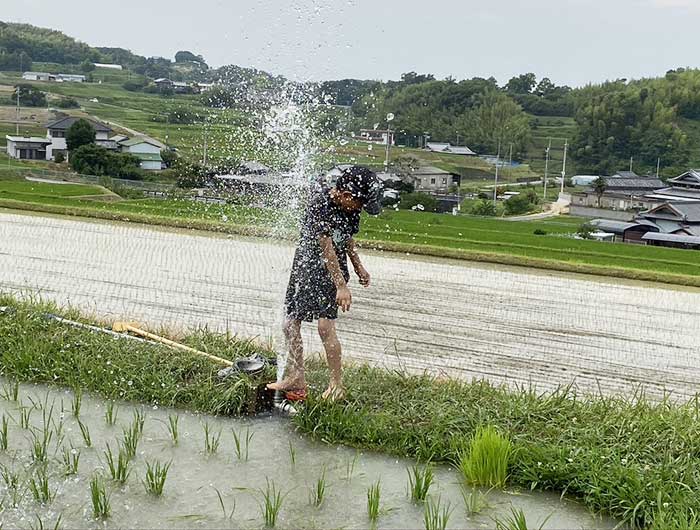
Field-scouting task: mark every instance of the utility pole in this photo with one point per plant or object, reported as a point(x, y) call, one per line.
point(546, 168)
point(563, 167)
point(389, 119)
point(631, 162)
point(495, 184)
point(658, 166)
point(204, 154)
point(18, 110)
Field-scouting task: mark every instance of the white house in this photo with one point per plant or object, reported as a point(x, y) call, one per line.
point(56, 133)
point(27, 147)
point(146, 150)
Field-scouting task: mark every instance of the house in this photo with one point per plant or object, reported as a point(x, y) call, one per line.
point(449, 149)
point(27, 147)
point(56, 133)
point(624, 191)
point(674, 218)
point(204, 87)
point(38, 76)
point(433, 179)
point(146, 150)
point(672, 240)
point(625, 232)
point(164, 83)
point(182, 88)
point(377, 136)
point(71, 78)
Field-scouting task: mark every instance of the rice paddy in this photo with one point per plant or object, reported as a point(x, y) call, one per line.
point(50, 475)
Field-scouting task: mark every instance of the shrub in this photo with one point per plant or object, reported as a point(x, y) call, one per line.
point(539, 232)
point(415, 200)
point(518, 204)
point(67, 103)
point(586, 230)
point(59, 158)
point(95, 160)
point(484, 207)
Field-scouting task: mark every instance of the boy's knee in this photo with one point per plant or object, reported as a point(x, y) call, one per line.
point(325, 327)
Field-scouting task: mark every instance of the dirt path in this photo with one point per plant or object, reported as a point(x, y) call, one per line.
point(460, 318)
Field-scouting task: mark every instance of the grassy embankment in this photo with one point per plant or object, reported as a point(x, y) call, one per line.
point(627, 457)
point(481, 239)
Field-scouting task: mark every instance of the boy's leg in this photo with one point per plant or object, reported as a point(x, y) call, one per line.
point(329, 337)
point(295, 377)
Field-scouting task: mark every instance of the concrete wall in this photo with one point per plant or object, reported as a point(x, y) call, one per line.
point(442, 183)
point(600, 213)
point(151, 165)
point(143, 148)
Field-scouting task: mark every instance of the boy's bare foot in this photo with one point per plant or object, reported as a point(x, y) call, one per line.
point(287, 384)
point(334, 393)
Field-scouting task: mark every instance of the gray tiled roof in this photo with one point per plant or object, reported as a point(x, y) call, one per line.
point(65, 123)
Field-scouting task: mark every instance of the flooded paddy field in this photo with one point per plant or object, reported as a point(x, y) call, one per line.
point(461, 319)
point(222, 488)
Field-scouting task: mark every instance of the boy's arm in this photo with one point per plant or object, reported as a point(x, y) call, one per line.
point(360, 270)
point(343, 296)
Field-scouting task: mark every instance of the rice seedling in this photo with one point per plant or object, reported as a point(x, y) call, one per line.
point(485, 463)
point(227, 514)
point(4, 437)
point(241, 443)
point(85, 431)
point(156, 474)
point(419, 482)
point(111, 413)
point(350, 466)
point(211, 440)
point(292, 455)
point(11, 392)
point(515, 521)
point(474, 501)
point(130, 440)
point(318, 492)
point(271, 504)
point(173, 420)
point(12, 482)
point(139, 421)
point(101, 507)
point(436, 516)
point(77, 402)
point(40, 445)
point(40, 524)
point(373, 497)
point(119, 468)
point(71, 459)
point(25, 414)
point(39, 486)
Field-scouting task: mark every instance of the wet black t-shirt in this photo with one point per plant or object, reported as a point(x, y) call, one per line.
point(311, 292)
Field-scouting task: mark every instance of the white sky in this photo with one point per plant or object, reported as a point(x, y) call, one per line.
point(570, 41)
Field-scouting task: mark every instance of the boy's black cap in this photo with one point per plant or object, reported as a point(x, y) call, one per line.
point(363, 183)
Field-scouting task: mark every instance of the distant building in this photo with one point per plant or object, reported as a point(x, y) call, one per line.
point(625, 232)
point(449, 149)
point(146, 150)
point(674, 218)
point(109, 66)
point(624, 191)
point(377, 136)
point(71, 78)
point(27, 147)
point(433, 179)
point(182, 88)
point(163, 83)
point(38, 76)
point(56, 133)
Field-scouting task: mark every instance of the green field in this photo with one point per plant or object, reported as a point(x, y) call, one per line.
point(464, 237)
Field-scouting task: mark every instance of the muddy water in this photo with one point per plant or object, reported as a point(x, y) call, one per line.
point(467, 320)
point(190, 498)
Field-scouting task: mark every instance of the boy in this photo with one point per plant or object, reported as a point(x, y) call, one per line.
point(318, 283)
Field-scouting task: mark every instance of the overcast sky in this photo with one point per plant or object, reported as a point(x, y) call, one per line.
point(571, 41)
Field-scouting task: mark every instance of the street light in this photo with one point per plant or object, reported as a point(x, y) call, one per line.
point(389, 118)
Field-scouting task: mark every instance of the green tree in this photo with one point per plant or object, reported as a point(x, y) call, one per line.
point(188, 57)
point(415, 200)
point(169, 157)
point(522, 84)
point(91, 159)
point(518, 204)
point(484, 207)
point(497, 120)
point(28, 96)
point(599, 186)
point(79, 134)
point(87, 66)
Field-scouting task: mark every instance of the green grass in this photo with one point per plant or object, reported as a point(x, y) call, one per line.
point(626, 456)
point(271, 503)
point(156, 475)
point(374, 493)
point(485, 461)
point(436, 515)
point(101, 506)
point(419, 482)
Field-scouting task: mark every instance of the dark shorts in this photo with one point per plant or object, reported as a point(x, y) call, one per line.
point(311, 292)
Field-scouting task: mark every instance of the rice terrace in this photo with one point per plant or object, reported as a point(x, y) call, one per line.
point(284, 280)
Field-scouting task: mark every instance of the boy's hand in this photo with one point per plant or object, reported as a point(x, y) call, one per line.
point(343, 298)
point(363, 276)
